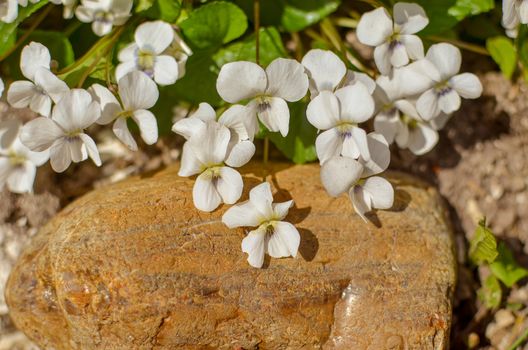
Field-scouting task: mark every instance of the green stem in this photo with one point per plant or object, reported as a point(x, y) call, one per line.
point(103, 53)
point(98, 46)
point(519, 341)
point(346, 22)
point(107, 68)
point(461, 44)
point(256, 16)
point(299, 50)
point(373, 3)
point(28, 32)
point(330, 31)
point(72, 27)
point(266, 154)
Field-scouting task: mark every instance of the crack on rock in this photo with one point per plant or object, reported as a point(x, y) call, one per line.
point(159, 328)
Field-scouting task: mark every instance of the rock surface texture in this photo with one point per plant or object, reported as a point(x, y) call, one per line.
point(135, 266)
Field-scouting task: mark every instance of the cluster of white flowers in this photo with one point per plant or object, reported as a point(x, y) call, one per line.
point(349, 157)
point(64, 114)
point(215, 146)
point(103, 14)
point(413, 99)
point(514, 12)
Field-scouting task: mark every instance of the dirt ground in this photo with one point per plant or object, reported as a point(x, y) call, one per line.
point(480, 167)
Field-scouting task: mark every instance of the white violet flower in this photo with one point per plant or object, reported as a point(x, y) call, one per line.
point(104, 14)
point(283, 80)
point(514, 12)
point(327, 72)
point(137, 94)
point(180, 51)
point(339, 115)
point(44, 87)
point(398, 121)
point(394, 39)
point(449, 86)
point(63, 133)
point(69, 7)
point(205, 154)
point(9, 130)
point(273, 236)
point(18, 165)
point(345, 175)
point(146, 53)
point(8, 10)
point(240, 149)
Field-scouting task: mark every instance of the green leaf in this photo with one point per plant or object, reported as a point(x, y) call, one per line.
point(199, 82)
point(481, 28)
point(143, 5)
point(503, 53)
point(8, 30)
point(439, 18)
point(464, 8)
point(164, 108)
point(483, 246)
point(270, 44)
point(490, 293)
point(505, 268)
point(58, 44)
point(299, 144)
point(291, 15)
point(214, 24)
point(166, 10)
point(299, 14)
point(445, 14)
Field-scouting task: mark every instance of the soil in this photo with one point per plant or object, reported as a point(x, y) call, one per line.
point(480, 166)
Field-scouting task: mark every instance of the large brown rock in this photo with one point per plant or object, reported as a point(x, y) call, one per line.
point(135, 266)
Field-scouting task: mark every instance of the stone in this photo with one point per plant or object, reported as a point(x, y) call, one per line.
point(135, 266)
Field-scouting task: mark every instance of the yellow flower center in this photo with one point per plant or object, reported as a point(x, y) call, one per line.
point(125, 114)
point(145, 61)
point(409, 121)
point(16, 159)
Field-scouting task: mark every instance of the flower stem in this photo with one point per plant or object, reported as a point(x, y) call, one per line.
point(256, 16)
point(519, 341)
point(266, 152)
point(72, 27)
point(346, 22)
point(373, 3)
point(298, 46)
point(103, 52)
point(461, 44)
point(28, 32)
point(110, 38)
point(330, 31)
point(108, 64)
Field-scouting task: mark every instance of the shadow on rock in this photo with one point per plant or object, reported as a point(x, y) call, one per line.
point(309, 244)
point(401, 200)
